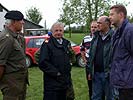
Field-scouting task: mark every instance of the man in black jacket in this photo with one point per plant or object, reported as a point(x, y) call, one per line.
point(55, 63)
point(85, 46)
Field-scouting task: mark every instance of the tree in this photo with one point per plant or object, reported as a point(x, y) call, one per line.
point(67, 16)
point(33, 14)
point(70, 14)
point(82, 12)
point(130, 18)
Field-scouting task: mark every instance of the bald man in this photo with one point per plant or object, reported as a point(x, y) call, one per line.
point(99, 60)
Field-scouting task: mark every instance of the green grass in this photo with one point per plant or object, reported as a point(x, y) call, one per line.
point(75, 37)
point(80, 83)
point(35, 90)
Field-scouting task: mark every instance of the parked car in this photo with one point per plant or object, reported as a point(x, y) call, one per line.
point(79, 60)
point(33, 43)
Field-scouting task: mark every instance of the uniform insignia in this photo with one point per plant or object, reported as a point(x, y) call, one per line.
point(46, 41)
point(7, 35)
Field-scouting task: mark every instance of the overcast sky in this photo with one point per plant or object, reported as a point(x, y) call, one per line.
point(48, 8)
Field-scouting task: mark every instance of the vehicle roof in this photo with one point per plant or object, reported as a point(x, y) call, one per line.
point(39, 29)
point(42, 36)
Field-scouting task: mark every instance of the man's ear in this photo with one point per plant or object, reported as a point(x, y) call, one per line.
point(121, 15)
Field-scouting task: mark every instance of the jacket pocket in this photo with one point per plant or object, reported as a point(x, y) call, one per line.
point(18, 51)
point(117, 76)
point(127, 72)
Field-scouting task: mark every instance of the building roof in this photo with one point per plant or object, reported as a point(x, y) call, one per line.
point(1, 6)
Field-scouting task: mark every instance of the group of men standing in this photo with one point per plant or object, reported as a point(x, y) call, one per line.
point(98, 60)
point(108, 56)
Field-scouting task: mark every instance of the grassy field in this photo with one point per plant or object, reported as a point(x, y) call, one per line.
point(35, 90)
point(75, 37)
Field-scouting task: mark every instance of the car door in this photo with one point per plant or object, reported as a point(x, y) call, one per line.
point(34, 44)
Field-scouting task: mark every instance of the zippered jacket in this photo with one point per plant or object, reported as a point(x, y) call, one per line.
point(106, 53)
point(55, 59)
point(122, 56)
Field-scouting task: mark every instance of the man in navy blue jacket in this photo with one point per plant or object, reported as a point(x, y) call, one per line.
point(121, 75)
point(55, 62)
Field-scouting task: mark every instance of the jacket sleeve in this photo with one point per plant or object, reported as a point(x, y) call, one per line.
point(44, 62)
point(82, 47)
point(129, 41)
point(89, 60)
point(6, 47)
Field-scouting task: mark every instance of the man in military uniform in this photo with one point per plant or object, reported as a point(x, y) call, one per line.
point(55, 63)
point(13, 70)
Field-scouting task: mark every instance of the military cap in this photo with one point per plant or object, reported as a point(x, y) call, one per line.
point(14, 15)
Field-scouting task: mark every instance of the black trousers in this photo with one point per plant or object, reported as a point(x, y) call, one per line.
point(70, 93)
point(89, 88)
point(126, 94)
point(55, 95)
point(89, 82)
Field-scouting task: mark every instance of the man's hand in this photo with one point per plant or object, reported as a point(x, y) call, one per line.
point(1, 71)
point(83, 56)
point(61, 78)
point(89, 76)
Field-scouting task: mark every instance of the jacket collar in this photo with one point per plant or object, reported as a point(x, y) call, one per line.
point(118, 33)
point(109, 33)
point(56, 43)
point(120, 29)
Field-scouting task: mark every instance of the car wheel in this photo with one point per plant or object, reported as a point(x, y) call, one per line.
point(28, 61)
point(80, 61)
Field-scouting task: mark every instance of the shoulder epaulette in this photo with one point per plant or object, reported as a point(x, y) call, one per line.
point(7, 35)
point(46, 41)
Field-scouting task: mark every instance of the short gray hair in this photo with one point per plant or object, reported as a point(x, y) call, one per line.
point(8, 21)
point(56, 23)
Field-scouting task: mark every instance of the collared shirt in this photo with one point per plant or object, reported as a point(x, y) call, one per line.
point(104, 35)
point(59, 41)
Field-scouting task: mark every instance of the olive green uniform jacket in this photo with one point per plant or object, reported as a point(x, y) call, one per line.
point(12, 57)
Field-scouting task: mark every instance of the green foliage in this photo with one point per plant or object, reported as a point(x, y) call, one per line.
point(83, 12)
point(130, 18)
point(33, 14)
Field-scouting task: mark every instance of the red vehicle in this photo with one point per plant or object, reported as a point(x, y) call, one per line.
point(79, 60)
point(33, 43)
